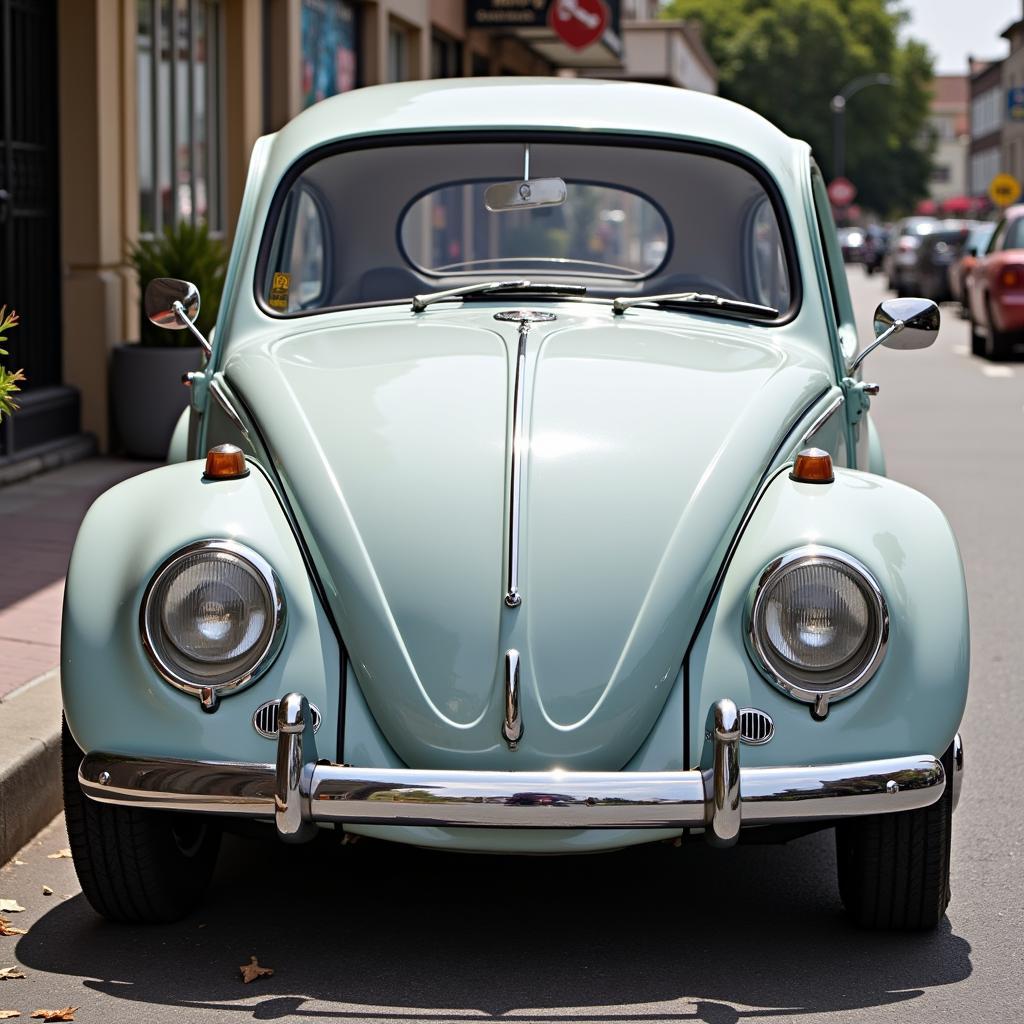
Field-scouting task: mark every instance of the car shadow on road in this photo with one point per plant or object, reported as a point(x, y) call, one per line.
point(380, 932)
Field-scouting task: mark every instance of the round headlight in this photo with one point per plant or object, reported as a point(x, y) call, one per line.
point(212, 618)
point(818, 624)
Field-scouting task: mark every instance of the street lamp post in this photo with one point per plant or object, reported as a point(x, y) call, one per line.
point(839, 116)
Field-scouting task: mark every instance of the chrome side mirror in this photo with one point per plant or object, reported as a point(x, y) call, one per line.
point(174, 305)
point(163, 297)
point(903, 324)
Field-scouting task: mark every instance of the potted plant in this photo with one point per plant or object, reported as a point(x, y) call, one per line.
point(9, 379)
point(146, 389)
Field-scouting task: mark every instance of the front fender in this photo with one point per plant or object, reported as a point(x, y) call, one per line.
point(915, 701)
point(114, 699)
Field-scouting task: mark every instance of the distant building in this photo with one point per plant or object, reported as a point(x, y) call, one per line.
point(662, 51)
point(985, 155)
point(949, 119)
point(1012, 102)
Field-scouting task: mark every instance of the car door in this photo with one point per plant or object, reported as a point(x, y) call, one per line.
point(976, 284)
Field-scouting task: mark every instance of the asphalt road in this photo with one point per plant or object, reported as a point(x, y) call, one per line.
point(372, 933)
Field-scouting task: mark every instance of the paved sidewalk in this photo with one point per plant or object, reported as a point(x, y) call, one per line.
point(38, 522)
point(39, 519)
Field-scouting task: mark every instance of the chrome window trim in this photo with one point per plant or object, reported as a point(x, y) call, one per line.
point(207, 693)
point(825, 416)
point(866, 666)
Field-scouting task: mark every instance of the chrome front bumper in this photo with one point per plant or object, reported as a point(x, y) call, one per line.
point(299, 791)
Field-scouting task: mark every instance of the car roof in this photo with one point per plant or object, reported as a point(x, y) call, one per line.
point(571, 104)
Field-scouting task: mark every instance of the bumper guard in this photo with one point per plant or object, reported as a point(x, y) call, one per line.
point(300, 790)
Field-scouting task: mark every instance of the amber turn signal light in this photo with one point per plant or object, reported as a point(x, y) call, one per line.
point(225, 462)
point(813, 466)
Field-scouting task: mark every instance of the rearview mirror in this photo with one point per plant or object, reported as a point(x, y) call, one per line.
point(919, 319)
point(524, 195)
point(163, 295)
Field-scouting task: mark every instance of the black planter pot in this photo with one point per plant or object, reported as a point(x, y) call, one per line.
point(147, 395)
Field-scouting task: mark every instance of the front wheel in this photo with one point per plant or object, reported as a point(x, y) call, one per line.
point(998, 344)
point(894, 868)
point(135, 866)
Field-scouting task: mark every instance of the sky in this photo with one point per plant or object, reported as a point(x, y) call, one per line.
point(955, 28)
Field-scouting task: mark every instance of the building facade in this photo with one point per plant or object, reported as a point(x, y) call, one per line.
point(157, 106)
point(949, 119)
point(985, 153)
point(1012, 81)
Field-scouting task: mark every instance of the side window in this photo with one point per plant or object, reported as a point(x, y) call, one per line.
point(1013, 237)
point(995, 244)
point(297, 274)
point(842, 304)
point(769, 280)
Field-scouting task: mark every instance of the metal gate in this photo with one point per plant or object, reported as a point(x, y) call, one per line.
point(30, 275)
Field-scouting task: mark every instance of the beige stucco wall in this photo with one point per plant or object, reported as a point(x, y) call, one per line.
point(97, 187)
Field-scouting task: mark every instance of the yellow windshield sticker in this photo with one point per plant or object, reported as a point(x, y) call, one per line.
point(278, 298)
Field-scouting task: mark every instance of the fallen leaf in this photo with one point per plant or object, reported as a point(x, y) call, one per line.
point(65, 1013)
point(10, 907)
point(59, 855)
point(47, 891)
point(20, 864)
point(6, 928)
point(6, 973)
point(252, 970)
point(8, 1014)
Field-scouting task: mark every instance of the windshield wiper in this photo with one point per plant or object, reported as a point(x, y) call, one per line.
point(420, 302)
point(700, 299)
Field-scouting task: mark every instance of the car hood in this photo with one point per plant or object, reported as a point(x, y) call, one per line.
point(645, 436)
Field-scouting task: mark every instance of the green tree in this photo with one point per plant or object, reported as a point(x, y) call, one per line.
point(786, 59)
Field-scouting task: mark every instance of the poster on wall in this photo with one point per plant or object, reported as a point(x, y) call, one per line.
point(329, 51)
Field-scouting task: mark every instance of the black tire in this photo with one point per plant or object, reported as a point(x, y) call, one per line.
point(135, 866)
point(894, 868)
point(998, 344)
point(977, 338)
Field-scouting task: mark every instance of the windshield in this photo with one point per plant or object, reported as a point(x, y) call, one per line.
point(383, 224)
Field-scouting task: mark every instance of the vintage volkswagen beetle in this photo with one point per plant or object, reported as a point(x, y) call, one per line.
point(542, 513)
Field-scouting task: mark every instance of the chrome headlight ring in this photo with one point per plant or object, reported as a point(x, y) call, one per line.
point(849, 676)
point(254, 661)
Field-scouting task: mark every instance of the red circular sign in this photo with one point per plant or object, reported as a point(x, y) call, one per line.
point(842, 191)
point(578, 23)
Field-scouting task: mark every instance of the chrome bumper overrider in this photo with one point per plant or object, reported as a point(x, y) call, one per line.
point(299, 791)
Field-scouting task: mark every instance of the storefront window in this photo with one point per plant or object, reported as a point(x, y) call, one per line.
point(179, 113)
point(445, 57)
point(328, 49)
point(398, 53)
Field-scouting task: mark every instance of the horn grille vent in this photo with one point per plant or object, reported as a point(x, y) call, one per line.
point(264, 719)
point(756, 727)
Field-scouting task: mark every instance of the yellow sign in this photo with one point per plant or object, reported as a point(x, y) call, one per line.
point(1004, 189)
point(278, 298)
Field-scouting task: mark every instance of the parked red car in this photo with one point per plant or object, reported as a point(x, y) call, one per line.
point(995, 290)
point(977, 244)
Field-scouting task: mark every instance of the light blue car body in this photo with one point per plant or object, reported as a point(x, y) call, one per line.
point(655, 495)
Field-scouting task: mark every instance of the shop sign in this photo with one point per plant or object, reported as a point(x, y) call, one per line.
point(506, 13)
point(578, 23)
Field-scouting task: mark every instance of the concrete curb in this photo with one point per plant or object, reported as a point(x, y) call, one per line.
point(30, 785)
